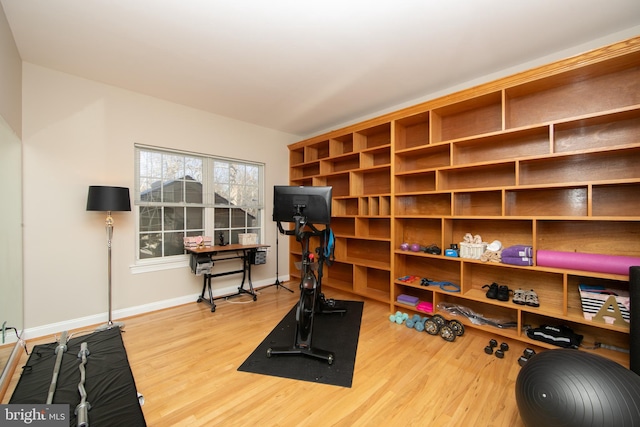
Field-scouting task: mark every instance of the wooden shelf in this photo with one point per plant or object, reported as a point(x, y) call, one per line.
point(547, 158)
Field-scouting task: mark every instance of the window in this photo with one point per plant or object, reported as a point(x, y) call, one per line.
point(182, 194)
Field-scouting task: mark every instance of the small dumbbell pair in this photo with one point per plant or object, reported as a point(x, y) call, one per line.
point(399, 317)
point(416, 322)
point(527, 354)
point(500, 352)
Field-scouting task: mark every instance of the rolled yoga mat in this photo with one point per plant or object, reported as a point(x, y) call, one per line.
point(612, 264)
point(634, 327)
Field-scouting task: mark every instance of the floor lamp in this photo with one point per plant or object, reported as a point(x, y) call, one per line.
point(108, 199)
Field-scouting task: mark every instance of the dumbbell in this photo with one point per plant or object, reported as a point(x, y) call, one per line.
point(489, 349)
point(527, 354)
point(393, 317)
point(412, 322)
point(503, 347)
point(399, 317)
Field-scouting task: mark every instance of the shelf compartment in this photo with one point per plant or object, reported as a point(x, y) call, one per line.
point(317, 151)
point(423, 231)
point(380, 156)
point(438, 269)
point(340, 184)
point(424, 293)
point(606, 131)
point(485, 176)
point(508, 231)
point(296, 157)
point(412, 131)
point(563, 201)
point(339, 275)
point(375, 206)
point(341, 145)
point(478, 203)
point(374, 181)
point(416, 182)
point(372, 282)
point(422, 158)
point(345, 227)
point(306, 170)
point(370, 253)
point(476, 116)
point(584, 236)
point(597, 87)
point(347, 206)
point(423, 204)
point(342, 163)
point(373, 228)
point(616, 200)
point(607, 165)
point(548, 286)
point(507, 146)
point(372, 137)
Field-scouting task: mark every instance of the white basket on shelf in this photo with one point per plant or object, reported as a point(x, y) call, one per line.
point(472, 250)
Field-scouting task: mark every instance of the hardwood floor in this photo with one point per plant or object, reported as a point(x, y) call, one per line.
point(185, 359)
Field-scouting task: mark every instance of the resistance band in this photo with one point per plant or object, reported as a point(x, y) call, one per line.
point(445, 286)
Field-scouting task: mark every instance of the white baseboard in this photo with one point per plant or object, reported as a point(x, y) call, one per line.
point(97, 319)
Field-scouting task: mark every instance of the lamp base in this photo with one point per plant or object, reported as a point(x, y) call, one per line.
point(110, 325)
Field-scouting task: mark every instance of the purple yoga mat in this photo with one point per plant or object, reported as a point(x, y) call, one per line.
point(600, 263)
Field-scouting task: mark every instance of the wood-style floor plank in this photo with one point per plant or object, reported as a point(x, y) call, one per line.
point(185, 359)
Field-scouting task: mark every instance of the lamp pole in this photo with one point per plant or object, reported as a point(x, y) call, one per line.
point(109, 227)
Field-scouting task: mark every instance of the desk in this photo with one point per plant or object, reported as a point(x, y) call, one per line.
point(235, 251)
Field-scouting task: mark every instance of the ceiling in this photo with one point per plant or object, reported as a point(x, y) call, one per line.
point(299, 66)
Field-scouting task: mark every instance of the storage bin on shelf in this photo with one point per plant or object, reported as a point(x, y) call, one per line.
point(472, 250)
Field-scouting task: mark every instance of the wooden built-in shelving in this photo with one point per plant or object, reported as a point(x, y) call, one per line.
point(548, 157)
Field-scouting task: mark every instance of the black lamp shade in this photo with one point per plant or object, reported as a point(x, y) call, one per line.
point(106, 199)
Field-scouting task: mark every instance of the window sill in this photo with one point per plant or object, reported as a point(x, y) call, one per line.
point(151, 265)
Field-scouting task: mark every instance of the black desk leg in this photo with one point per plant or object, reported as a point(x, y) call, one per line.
point(246, 274)
point(207, 286)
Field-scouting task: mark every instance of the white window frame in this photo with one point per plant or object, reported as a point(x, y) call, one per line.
point(142, 265)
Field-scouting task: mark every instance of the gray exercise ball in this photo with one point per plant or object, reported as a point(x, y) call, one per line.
point(566, 387)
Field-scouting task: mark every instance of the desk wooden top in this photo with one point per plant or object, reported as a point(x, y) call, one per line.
point(225, 248)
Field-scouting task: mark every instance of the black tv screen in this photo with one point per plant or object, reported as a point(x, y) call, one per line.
point(314, 203)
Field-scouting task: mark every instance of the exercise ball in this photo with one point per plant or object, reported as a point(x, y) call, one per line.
point(567, 387)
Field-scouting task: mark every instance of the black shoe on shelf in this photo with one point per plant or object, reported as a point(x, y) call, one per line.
point(492, 293)
point(503, 293)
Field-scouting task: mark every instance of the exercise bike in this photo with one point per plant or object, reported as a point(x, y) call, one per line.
point(312, 300)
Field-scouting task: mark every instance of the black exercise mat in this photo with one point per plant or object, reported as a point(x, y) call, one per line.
point(337, 333)
point(109, 383)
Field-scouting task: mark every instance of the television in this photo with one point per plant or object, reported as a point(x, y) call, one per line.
point(313, 203)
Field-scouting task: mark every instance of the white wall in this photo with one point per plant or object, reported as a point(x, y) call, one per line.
point(10, 177)
point(77, 133)
point(10, 77)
